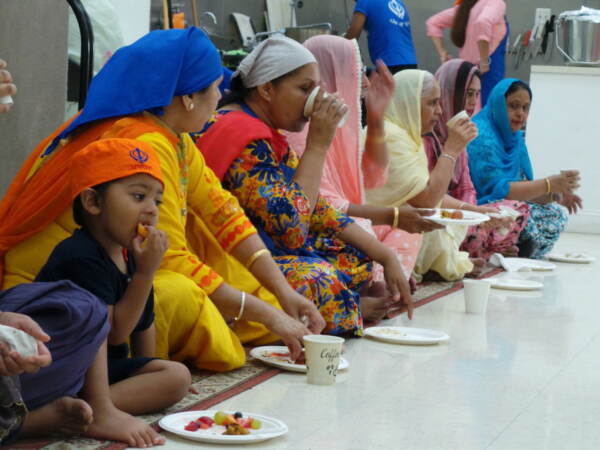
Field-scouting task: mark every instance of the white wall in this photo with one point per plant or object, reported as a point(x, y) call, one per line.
point(134, 17)
point(563, 131)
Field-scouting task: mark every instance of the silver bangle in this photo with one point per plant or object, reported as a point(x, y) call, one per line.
point(450, 157)
point(242, 304)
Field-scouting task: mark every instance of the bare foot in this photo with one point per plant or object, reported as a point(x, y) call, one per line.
point(65, 415)
point(114, 424)
point(376, 289)
point(511, 252)
point(373, 308)
point(478, 268)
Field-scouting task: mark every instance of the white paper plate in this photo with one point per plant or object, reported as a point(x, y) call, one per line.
point(533, 264)
point(262, 354)
point(469, 218)
point(406, 335)
point(515, 284)
point(571, 257)
point(175, 423)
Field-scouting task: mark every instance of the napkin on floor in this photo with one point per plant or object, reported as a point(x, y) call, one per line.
point(510, 264)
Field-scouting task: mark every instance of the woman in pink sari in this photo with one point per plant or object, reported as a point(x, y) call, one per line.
point(356, 162)
point(460, 89)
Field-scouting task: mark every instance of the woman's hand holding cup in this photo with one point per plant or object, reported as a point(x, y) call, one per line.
point(327, 112)
point(460, 133)
point(565, 182)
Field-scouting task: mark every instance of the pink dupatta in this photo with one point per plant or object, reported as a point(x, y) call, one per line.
point(345, 173)
point(454, 77)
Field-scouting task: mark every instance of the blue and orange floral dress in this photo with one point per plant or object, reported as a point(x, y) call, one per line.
point(305, 245)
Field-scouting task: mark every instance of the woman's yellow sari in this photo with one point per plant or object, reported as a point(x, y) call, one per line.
point(408, 176)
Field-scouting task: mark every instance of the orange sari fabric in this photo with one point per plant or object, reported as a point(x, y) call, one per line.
point(28, 208)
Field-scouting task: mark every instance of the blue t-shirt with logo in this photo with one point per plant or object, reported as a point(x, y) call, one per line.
point(389, 34)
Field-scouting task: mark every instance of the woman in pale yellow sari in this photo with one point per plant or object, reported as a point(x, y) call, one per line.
point(413, 112)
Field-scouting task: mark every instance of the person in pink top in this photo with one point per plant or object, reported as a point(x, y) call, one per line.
point(460, 88)
point(352, 164)
point(480, 30)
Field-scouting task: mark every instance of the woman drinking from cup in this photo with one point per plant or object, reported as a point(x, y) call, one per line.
point(460, 87)
point(321, 251)
point(413, 112)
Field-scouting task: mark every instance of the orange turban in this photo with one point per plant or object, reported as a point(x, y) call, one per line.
point(111, 159)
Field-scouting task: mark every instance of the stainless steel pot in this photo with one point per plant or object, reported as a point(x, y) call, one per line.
point(578, 38)
point(303, 32)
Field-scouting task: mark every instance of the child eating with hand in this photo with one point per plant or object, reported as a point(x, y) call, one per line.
point(117, 188)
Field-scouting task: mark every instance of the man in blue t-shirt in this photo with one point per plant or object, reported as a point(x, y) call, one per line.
point(388, 32)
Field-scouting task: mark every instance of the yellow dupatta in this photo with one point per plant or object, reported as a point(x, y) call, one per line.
point(408, 173)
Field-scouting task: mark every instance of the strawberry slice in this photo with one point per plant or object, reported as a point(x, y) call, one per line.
point(205, 419)
point(192, 426)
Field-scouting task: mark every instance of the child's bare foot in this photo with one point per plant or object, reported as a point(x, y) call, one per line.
point(114, 424)
point(65, 415)
point(373, 308)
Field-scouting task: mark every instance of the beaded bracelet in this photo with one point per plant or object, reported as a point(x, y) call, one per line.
point(257, 254)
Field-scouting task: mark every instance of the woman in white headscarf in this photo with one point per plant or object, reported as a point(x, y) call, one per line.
point(413, 112)
point(322, 252)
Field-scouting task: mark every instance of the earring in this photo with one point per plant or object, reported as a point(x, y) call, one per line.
point(191, 107)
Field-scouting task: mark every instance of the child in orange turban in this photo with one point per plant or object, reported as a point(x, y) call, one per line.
point(117, 188)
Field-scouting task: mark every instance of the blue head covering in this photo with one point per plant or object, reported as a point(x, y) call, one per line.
point(147, 74)
point(498, 156)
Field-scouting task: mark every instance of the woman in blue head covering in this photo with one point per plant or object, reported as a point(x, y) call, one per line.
point(218, 287)
point(501, 169)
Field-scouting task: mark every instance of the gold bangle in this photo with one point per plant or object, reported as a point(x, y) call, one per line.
point(242, 304)
point(461, 205)
point(257, 254)
point(396, 214)
point(548, 186)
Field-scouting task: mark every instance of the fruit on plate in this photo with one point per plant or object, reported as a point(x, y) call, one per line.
point(235, 429)
point(286, 356)
point(232, 423)
point(451, 214)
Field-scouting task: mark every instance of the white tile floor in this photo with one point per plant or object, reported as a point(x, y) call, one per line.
point(524, 376)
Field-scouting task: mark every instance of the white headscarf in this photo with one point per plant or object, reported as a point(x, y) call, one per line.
point(271, 59)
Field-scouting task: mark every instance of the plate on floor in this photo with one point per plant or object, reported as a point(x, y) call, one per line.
point(278, 356)
point(571, 257)
point(445, 217)
point(176, 423)
point(533, 264)
point(516, 284)
point(407, 335)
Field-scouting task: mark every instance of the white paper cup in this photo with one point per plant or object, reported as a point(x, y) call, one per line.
point(566, 171)
point(322, 358)
point(477, 293)
point(460, 116)
point(309, 106)
point(7, 100)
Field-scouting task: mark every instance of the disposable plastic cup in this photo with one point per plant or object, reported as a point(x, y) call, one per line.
point(477, 293)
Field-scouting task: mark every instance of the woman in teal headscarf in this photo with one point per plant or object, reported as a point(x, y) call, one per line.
point(501, 169)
